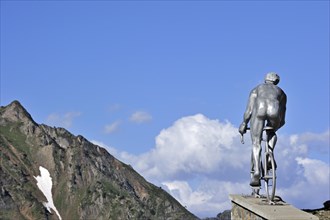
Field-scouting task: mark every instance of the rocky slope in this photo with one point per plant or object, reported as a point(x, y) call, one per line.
point(87, 182)
point(322, 213)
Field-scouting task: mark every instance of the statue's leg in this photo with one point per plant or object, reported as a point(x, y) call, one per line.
point(256, 127)
point(272, 138)
point(252, 164)
point(255, 191)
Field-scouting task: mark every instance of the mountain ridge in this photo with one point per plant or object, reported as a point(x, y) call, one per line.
point(88, 182)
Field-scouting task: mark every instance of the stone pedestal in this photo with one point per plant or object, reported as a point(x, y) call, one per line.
point(248, 207)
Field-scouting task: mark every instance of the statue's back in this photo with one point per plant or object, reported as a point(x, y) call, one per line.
point(268, 102)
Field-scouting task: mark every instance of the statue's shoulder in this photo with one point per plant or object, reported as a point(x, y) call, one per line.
point(280, 89)
point(261, 87)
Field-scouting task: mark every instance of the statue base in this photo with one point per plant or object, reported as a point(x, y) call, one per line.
point(249, 207)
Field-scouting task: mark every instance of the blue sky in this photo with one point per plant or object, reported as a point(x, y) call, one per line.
point(122, 72)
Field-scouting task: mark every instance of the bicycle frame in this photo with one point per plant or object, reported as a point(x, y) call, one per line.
point(268, 173)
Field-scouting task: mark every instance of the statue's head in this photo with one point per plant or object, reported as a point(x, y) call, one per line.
point(272, 77)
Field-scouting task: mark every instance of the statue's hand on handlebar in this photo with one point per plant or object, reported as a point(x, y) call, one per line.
point(242, 128)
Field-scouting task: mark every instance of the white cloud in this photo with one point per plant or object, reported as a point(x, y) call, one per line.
point(310, 187)
point(315, 171)
point(110, 128)
point(140, 117)
point(211, 196)
point(111, 150)
point(316, 142)
point(62, 120)
point(200, 161)
point(196, 144)
point(193, 145)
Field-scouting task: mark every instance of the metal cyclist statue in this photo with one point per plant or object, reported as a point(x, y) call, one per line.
point(266, 107)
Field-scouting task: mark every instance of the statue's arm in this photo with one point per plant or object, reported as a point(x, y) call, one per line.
point(283, 107)
point(248, 111)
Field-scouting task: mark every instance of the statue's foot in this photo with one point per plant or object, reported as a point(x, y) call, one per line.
point(257, 196)
point(255, 192)
point(255, 181)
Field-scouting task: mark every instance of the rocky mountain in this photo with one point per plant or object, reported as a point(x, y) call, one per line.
point(84, 180)
point(322, 213)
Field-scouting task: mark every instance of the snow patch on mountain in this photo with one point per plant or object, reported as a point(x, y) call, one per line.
point(44, 183)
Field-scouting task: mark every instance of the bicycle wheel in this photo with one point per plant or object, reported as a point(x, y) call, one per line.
point(270, 176)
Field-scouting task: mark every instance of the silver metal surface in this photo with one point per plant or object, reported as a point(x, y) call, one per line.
point(266, 108)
